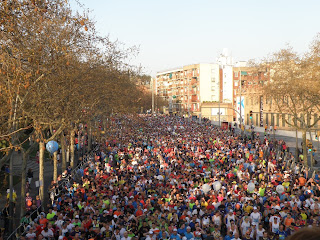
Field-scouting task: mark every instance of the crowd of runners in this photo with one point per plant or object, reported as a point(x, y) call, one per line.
point(162, 177)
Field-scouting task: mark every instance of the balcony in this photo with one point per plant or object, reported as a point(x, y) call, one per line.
point(194, 98)
point(194, 81)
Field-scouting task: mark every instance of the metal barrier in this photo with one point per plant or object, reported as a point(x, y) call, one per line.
point(23, 226)
point(64, 183)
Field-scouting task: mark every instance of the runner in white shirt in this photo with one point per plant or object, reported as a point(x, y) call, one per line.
point(245, 225)
point(275, 224)
point(47, 233)
point(125, 236)
point(31, 235)
point(259, 232)
point(255, 216)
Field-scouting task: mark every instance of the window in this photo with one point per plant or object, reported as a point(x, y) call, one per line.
point(236, 74)
point(283, 120)
point(278, 117)
point(267, 119)
point(213, 79)
point(289, 119)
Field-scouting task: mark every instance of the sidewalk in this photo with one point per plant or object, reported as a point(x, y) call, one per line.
point(290, 138)
point(17, 170)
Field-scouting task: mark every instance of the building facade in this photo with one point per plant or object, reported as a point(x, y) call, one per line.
point(187, 87)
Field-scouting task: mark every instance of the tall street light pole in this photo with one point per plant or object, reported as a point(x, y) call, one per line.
point(219, 109)
point(152, 92)
point(240, 100)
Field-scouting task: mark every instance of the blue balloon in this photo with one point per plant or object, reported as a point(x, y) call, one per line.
point(52, 146)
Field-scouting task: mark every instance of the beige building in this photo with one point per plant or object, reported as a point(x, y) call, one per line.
point(263, 109)
point(210, 110)
point(187, 87)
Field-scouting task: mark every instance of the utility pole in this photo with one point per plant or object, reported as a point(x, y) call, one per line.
point(220, 90)
point(240, 103)
point(188, 100)
point(297, 147)
point(219, 110)
point(152, 91)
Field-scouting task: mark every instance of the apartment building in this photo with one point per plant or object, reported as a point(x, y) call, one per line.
point(210, 86)
point(187, 87)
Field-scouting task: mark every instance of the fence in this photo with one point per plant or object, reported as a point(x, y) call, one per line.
point(22, 228)
point(63, 184)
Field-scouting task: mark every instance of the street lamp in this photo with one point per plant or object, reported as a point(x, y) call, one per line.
point(219, 107)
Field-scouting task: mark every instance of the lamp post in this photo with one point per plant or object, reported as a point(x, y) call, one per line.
point(152, 91)
point(240, 100)
point(219, 112)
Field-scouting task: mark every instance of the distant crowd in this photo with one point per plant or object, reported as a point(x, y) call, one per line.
point(162, 177)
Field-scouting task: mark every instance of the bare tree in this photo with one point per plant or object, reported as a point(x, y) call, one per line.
point(294, 86)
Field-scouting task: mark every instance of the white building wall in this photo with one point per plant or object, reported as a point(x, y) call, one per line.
point(209, 82)
point(227, 81)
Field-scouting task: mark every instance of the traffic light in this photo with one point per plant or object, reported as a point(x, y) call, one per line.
point(250, 114)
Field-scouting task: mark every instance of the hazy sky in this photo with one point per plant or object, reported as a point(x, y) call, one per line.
point(172, 33)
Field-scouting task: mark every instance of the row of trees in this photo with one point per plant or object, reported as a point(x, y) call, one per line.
point(294, 86)
point(55, 72)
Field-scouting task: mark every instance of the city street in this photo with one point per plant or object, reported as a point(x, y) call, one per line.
point(127, 114)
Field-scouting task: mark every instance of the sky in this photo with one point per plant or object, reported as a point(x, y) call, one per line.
point(173, 33)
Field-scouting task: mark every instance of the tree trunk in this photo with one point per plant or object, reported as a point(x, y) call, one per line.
point(89, 138)
point(72, 148)
point(304, 147)
point(55, 166)
point(63, 152)
point(23, 182)
point(41, 169)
